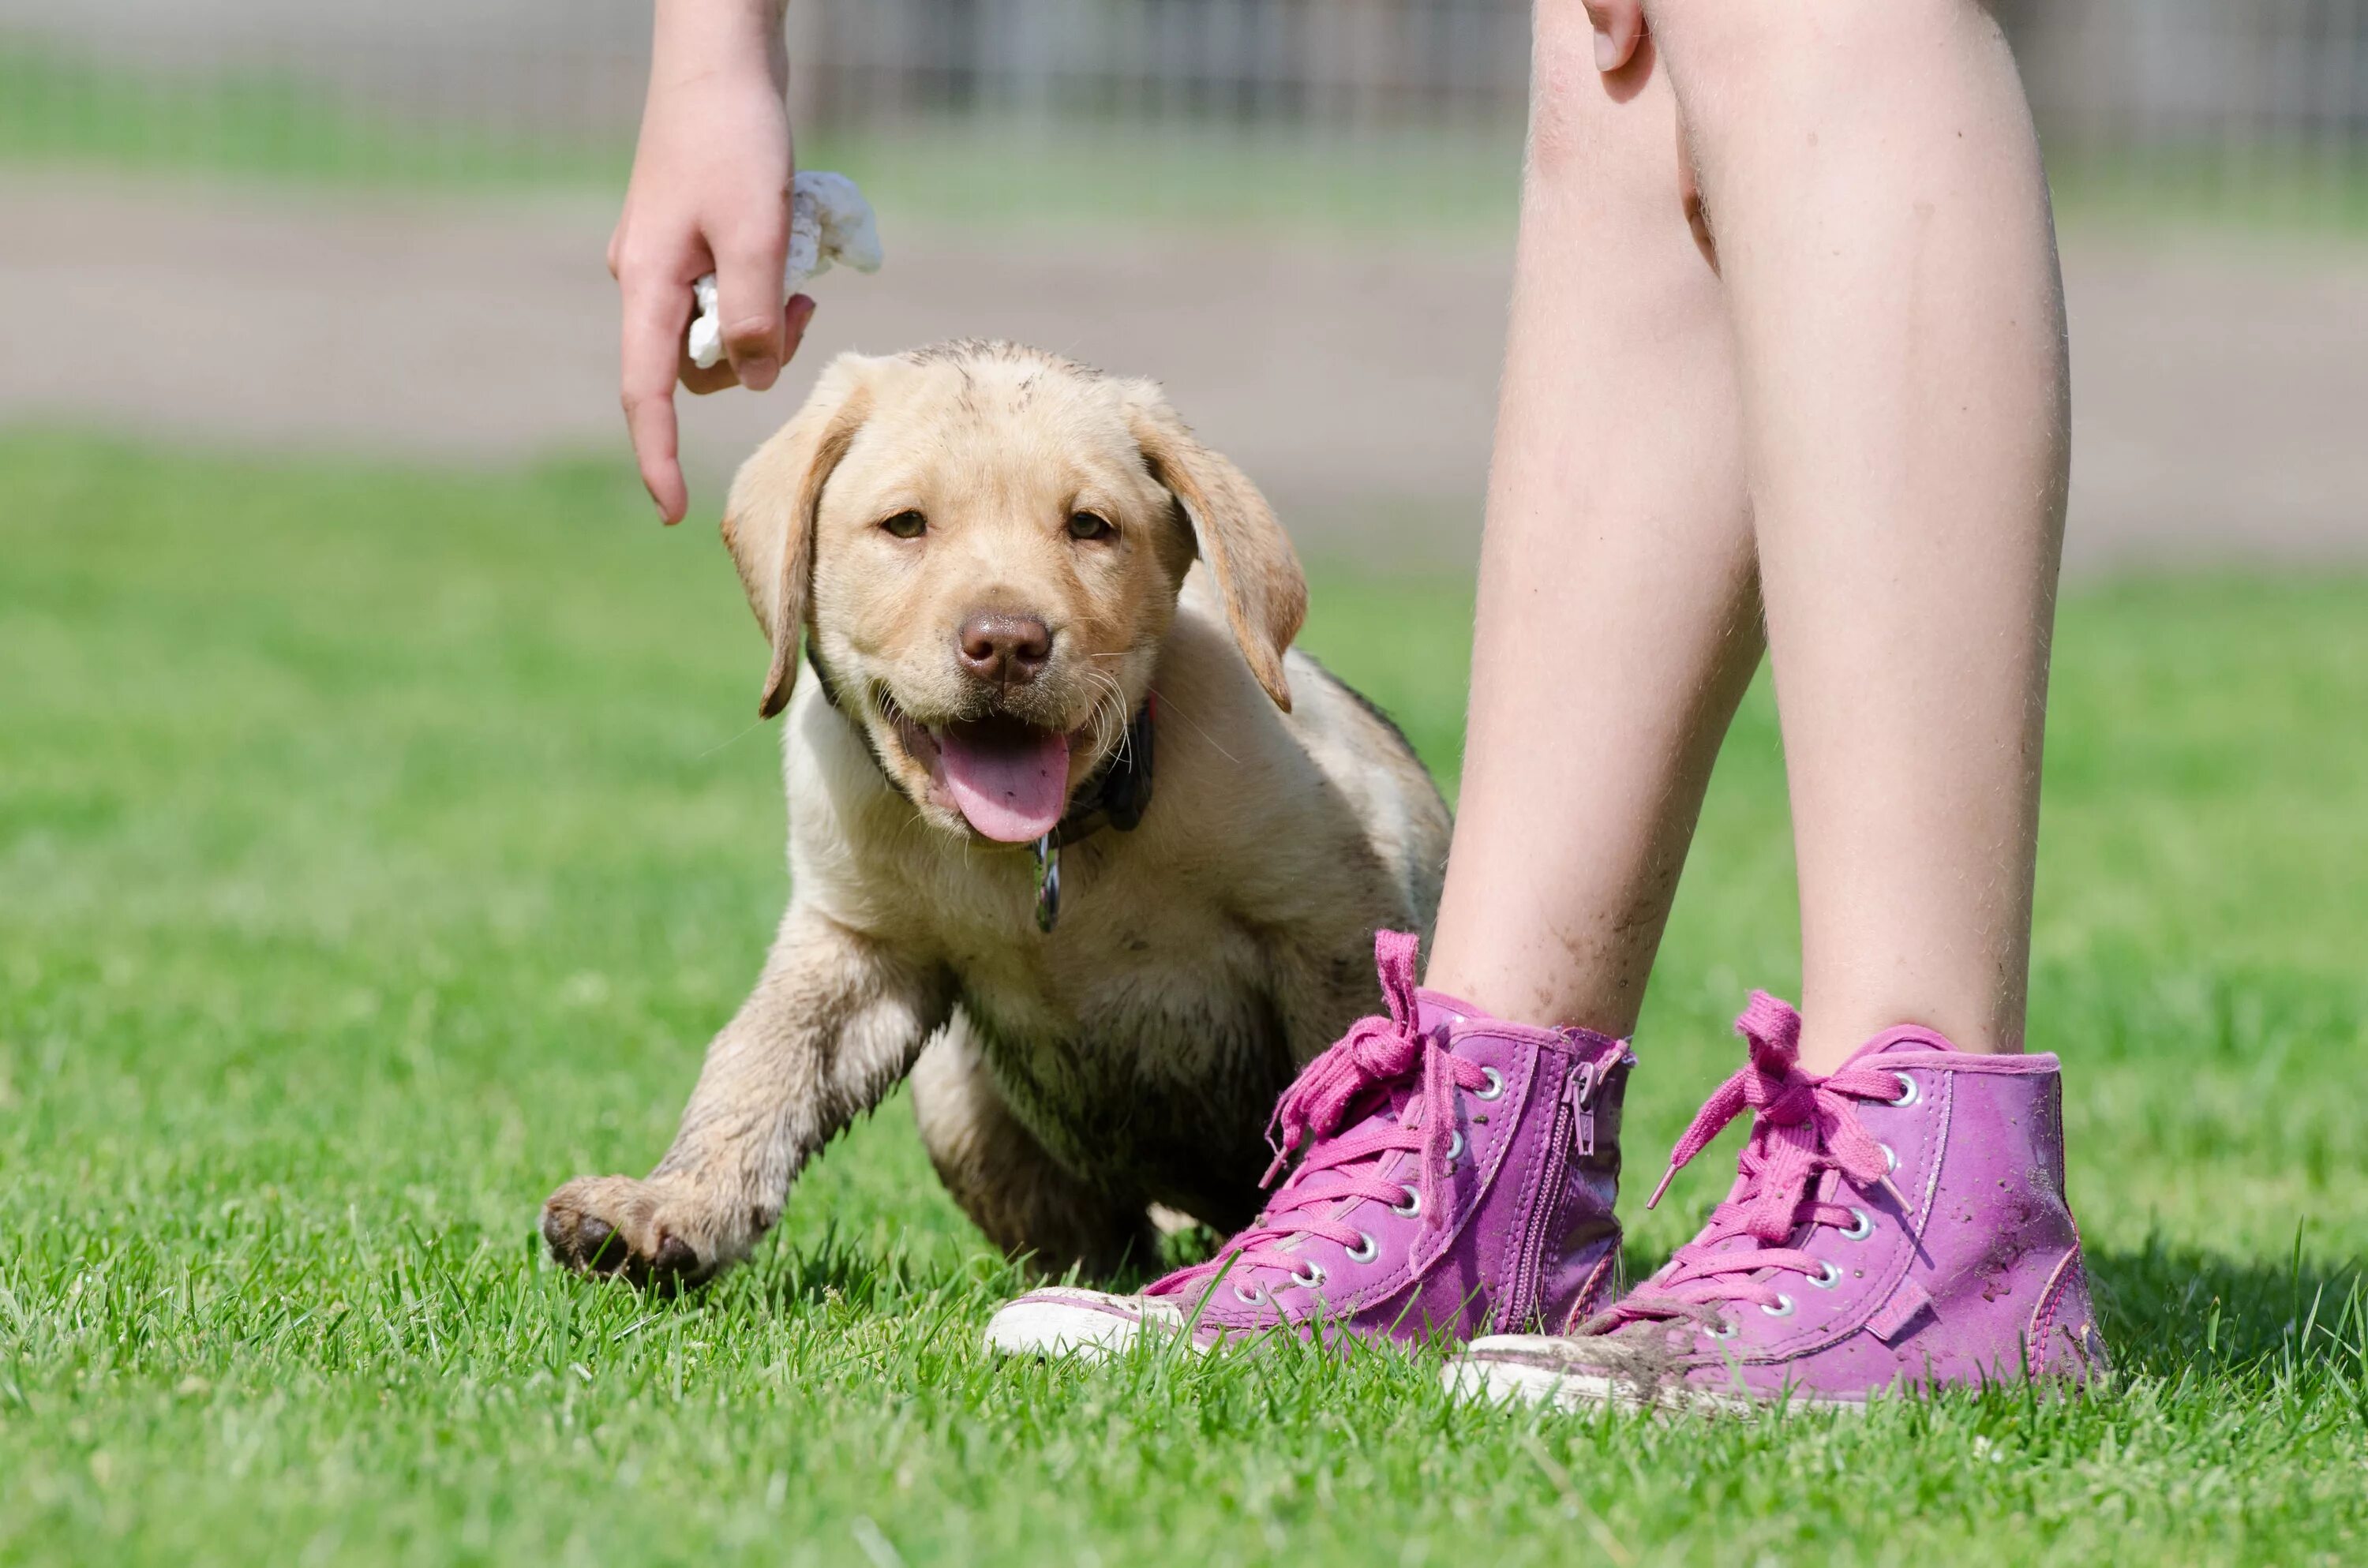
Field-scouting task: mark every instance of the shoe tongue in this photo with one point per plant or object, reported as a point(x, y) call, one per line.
point(1438, 1010)
point(1011, 779)
point(1391, 1102)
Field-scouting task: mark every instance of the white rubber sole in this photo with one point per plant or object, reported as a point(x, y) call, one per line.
point(1482, 1380)
point(1508, 1383)
point(1047, 1324)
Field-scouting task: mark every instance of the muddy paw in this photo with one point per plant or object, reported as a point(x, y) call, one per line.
point(616, 1226)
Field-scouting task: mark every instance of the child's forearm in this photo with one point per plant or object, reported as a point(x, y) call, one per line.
point(694, 39)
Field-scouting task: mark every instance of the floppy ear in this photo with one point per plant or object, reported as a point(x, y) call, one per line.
point(1256, 571)
point(769, 523)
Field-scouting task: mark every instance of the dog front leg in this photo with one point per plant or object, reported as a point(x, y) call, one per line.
point(834, 1024)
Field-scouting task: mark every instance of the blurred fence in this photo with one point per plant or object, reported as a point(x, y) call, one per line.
point(2223, 102)
point(2241, 103)
point(1333, 63)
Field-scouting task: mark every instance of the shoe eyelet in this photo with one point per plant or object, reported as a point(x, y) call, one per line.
point(1251, 1298)
point(1313, 1278)
point(1782, 1309)
point(1365, 1251)
point(1862, 1226)
point(1908, 1092)
point(1725, 1331)
point(1827, 1278)
point(1890, 1157)
point(1455, 1145)
point(1495, 1088)
point(1408, 1211)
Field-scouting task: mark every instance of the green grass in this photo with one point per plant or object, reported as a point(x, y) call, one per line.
point(377, 848)
point(63, 106)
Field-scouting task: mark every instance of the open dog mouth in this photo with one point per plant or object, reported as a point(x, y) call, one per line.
point(1008, 778)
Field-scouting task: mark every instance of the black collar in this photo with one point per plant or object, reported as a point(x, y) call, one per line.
point(1116, 796)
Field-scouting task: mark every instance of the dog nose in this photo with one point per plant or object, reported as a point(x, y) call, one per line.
point(1004, 648)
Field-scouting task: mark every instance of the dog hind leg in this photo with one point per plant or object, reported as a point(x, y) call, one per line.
point(1027, 1202)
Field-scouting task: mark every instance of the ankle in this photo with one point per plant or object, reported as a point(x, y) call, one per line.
point(1831, 1033)
point(1535, 1000)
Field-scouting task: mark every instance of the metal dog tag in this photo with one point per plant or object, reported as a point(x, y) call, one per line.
point(1048, 883)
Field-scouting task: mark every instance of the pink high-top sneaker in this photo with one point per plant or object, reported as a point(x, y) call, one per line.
point(1899, 1225)
point(1456, 1175)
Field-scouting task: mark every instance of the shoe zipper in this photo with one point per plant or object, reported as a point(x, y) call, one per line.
point(1573, 1137)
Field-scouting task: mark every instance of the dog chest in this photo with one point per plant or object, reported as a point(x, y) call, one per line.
point(1156, 1074)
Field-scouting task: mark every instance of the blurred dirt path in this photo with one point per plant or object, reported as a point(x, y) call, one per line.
point(2220, 391)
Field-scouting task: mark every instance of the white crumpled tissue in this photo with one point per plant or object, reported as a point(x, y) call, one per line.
point(829, 222)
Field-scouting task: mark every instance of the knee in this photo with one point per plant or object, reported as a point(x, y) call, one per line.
point(1718, 42)
point(1732, 61)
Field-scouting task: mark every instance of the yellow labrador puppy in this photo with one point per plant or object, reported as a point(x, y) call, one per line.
point(1077, 843)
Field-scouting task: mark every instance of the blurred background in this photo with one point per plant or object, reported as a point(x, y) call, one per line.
point(376, 227)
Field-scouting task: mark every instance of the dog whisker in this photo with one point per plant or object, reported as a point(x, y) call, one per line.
point(1167, 705)
point(728, 739)
point(1109, 710)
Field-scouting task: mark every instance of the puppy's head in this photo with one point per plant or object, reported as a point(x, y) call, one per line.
point(986, 544)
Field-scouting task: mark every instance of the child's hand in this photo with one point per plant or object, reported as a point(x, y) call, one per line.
point(710, 193)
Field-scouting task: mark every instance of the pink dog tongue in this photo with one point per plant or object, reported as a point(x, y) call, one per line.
point(1009, 781)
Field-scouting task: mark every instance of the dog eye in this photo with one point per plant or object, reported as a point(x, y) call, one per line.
point(1088, 525)
point(906, 524)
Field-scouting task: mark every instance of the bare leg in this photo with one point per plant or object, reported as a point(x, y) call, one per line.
point(1618, 623)
point(1873, 182)
point(834, 1024)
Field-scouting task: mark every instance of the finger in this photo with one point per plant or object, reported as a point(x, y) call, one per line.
point(1619, 25)
point(748, 296)
point(656, 313)
point(798, 314)
point(700, 379)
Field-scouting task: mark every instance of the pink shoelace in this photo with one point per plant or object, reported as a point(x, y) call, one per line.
point(1377, 1056)
point(1802, 1126)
